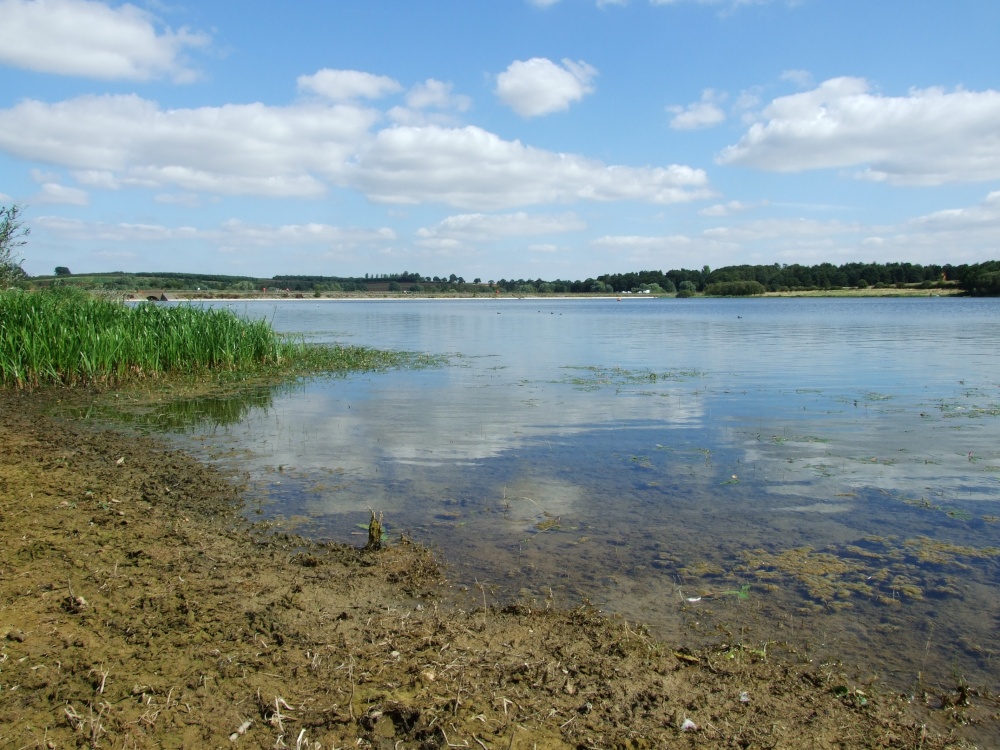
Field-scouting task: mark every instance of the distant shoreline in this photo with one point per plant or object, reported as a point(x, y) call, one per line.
point(187, 295)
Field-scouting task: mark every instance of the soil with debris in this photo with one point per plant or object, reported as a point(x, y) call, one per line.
point(139, 609)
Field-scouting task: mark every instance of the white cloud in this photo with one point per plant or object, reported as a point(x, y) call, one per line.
point(437, 94)
point(188, 200)
point(475, 169)
point(118, 142)
point(726, 209)
point(236, 149)
point(701, 114)
point(299, 234)
point(663, 251)
point(53, 192)
point(638, 242)
point(793, 230)
point(345, 85)
point(230, 233)
point(487, 227)
point(801, 78)
point(92, 39)
point(430, 103)
point(964, 234)
point(730, 4)
point(929, 137)
point(539, 86)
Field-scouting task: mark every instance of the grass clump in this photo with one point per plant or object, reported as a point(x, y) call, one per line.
point(66, 337)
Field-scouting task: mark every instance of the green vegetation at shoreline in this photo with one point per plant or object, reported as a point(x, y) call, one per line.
point(66, 337)
point(982, 279)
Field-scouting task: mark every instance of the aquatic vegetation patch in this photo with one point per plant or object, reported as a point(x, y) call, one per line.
point(822, 576)
point(882, 570)
point(875, 396)
point(939, 552)
point(959, 514)
point(595, 378)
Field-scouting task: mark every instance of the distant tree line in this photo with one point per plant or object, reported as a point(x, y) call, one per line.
point(977, 279)
point(779, 277)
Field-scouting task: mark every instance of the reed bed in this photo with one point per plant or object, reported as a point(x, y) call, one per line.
point(66, 337)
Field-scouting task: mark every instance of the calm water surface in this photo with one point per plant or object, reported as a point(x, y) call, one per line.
point(820, 472)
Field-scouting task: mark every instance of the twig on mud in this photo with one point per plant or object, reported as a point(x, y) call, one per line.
point(277, 717)
point(302, 743)
point(75, 720)
point(465, 743)
point(482, 588)
point(505, 702)
point(104, 677)
point(350, 674)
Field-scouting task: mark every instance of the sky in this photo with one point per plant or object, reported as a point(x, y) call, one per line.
point(553, 139)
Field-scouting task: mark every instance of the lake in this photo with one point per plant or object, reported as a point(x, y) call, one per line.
point(823, 473)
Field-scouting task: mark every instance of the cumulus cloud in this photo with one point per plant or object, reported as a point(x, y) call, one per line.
point(118, 142)
point(474, 169)
point(430, 102)
point(94, 40)
point(730, 4)
point(437, 94)
point(345, 85)
point(659, 251)
point(701, 114)
point(53, 192)
point(639, 242)
point(780, 228)
point(928, 137)
point(487, 227)
point(235, 149)
point(801, 78)
point(957, 228)
point(299, 234)
point(726, 209)
point(187, 200)
point(540, 87)
point(232, 232)
point(796, 240)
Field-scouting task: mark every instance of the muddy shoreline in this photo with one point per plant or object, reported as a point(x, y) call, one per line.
point(138, 608)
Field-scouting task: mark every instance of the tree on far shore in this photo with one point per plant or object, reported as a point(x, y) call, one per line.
point(12, 234)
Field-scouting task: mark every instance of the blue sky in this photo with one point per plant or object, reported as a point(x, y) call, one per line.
point(507, 139)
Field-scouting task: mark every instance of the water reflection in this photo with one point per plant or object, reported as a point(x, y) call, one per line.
point(167, 411)
point(839, 457)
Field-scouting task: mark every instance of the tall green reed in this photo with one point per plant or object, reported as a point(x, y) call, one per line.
point(66, 337)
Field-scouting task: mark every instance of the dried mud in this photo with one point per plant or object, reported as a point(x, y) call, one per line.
point(139, 609)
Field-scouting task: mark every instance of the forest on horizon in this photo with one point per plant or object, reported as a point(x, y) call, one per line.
point(977, 278)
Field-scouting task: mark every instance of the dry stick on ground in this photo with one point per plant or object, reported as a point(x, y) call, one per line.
point(482, 588)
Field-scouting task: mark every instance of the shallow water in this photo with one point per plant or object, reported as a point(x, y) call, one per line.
point(819, 471)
